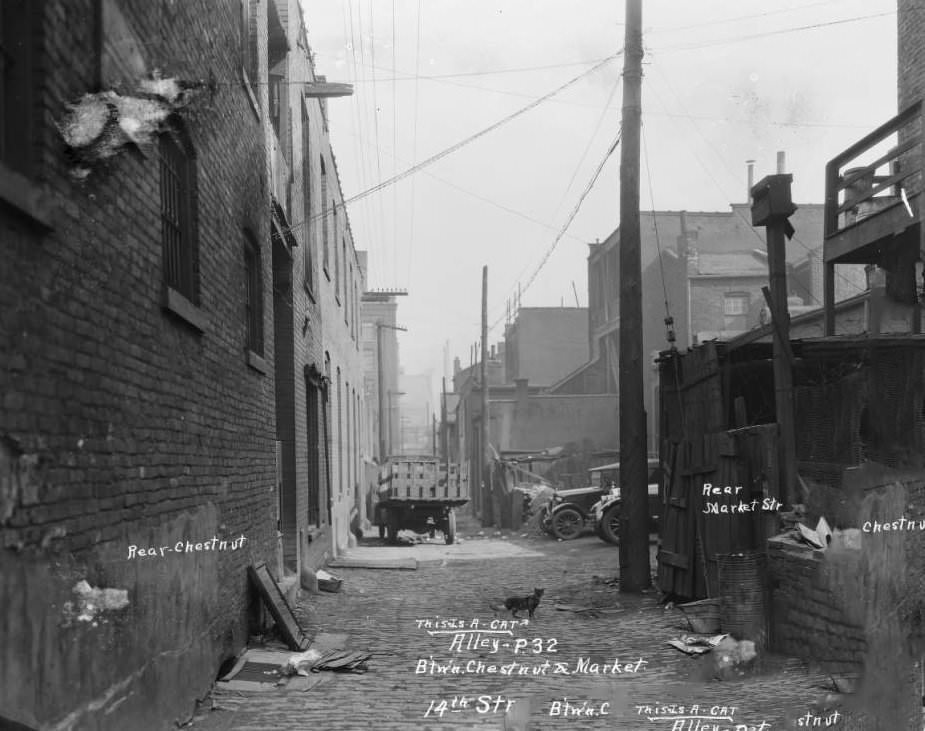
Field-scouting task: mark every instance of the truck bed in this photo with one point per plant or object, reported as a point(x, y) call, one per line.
point(423, 480)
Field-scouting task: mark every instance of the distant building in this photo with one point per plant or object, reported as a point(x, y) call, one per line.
point(416, 413)
point(543, 344)
point(705, 270)
point(378, 312)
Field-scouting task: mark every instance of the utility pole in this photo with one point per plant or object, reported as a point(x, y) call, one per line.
point(381, 391)
point(485, 475)
point(380, 372)
point(772, 207)
point(634, 532)
point(445, 432)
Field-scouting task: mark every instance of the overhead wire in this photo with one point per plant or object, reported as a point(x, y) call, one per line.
point(577, 169)
point(489, 201)
point(414, 136)
point(566, 102)
point(459, 145)
point(395, 243)
point(362, 158)
point(770, 33)
point(375, 112)
point(568, 222)
point(719, 187)
point(739, 18)
point(669, 320)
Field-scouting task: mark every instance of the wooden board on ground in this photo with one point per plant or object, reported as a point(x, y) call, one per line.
point(282, 613)
point(406, 564)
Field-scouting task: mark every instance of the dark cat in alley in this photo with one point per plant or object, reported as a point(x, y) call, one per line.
point(519, 603)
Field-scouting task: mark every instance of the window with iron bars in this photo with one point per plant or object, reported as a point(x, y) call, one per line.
point(178, 217)
point(17, 18)
point(324, 218)
point(253, 296)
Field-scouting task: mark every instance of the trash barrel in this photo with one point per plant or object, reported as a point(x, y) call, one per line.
point(743, 596)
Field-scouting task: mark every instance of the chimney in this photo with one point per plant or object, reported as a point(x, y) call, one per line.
point(682, 239)
point(521, 384)
point(750, 166)
point(456, 366)
point(781, 162)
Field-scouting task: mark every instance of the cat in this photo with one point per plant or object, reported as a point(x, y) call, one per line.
point(519, 603)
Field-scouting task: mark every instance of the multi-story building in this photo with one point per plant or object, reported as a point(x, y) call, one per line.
point(318, 281)
point(544, 344)
point(705, 269)
point(180, 336)
point(416, 414)
point(138, 423)
point(381, 369)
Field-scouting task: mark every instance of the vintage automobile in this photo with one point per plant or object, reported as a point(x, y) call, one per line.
point(606, 511)
point(569, 511)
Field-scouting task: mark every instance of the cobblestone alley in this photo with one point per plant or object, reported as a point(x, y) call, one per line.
point(383, 612)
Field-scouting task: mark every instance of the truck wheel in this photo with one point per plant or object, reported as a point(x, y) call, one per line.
point(450, 534)
point(609, 528)
point(393, 525)
point(567, 524)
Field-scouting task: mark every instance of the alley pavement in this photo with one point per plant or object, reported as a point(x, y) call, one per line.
point(445, 657)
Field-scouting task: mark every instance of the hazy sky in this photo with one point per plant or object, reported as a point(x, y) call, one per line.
point(723, 82)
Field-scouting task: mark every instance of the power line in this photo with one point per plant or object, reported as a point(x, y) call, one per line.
point(610, 150)
point(581, 160)
point(726, 21)
point(414, 147)
point(719, 187)
point(495, 72)
point(658, 242)
point(453, 148)
point(767, 34)
point(566, 102)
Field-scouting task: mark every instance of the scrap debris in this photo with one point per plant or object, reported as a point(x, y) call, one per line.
point(696, 645)
point(819, 538)
point(340, 661)
point(97, 126)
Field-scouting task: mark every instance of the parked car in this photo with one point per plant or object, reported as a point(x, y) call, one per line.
point(569, 511)
point(606, 511)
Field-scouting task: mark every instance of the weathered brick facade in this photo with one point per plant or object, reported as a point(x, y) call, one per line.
point(911, 52)
point(125, 421)
point(808, 615)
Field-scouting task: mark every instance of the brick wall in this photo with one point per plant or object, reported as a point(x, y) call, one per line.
point(808, 619)
point(911, 51)
point(545, 344)
point(121, 423)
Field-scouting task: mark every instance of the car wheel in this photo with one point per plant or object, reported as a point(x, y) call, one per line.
point(567, 524)
point(609, 527)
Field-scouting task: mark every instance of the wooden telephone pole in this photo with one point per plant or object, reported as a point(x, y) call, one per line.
point(484, 474)
point(634, 531)
point(772, 207)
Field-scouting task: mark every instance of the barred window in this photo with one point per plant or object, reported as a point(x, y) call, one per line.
point(248, 31)
point(253, 295)
point(16, 82)
point(178, 217)
point(324, 217)
point(309, 273)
